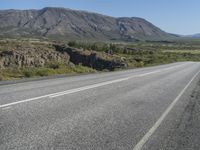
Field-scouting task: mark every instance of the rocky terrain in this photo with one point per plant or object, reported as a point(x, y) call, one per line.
point(92, 59)
point(64, 23)
point(35, 56)
point(30, 58)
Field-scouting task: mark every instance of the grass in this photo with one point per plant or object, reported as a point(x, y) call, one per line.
point(183, 51)
point(8, 74)
point(156, 57)
point(21, 44)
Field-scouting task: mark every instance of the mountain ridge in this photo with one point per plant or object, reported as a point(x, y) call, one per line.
point(76, 24)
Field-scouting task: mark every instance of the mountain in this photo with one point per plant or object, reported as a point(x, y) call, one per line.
point(72, 24)
point(195, 35)
point(192, 36)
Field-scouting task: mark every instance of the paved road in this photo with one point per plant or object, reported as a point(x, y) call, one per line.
point(151, 108)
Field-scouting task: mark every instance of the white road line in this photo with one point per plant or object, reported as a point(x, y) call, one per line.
point(5, 108)
point(145, 74)
point(88, 87)
point(106, 83)
point(23, 101)
point(84, 88)
point(146, 137)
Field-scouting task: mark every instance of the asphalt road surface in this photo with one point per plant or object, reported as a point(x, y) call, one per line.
point(154, 108)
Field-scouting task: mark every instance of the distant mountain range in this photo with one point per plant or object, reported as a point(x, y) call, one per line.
point(79, 25)
point(194, 35)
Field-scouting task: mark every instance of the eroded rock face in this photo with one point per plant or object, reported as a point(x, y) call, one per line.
point(96, 60)
point(31, 58)
point(35, 56)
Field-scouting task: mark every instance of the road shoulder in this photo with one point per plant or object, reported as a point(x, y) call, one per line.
point(180, 130)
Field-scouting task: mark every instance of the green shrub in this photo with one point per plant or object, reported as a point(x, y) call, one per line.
point(28, 73)
point(43, 72)
point(53, 65)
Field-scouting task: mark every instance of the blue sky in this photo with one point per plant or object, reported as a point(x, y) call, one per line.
point(175, 16)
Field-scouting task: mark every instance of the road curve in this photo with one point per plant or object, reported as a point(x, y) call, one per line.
point(150, 108)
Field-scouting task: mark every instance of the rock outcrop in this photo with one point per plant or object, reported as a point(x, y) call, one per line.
point(38, 55)
point(30, 58)
point(96, 60)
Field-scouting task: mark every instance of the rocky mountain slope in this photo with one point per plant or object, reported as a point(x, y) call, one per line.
point(73, 24)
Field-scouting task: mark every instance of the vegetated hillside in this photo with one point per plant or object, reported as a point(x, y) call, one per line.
point(73, 24)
